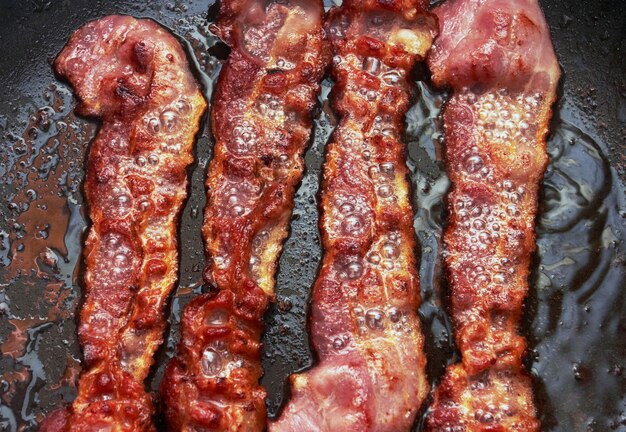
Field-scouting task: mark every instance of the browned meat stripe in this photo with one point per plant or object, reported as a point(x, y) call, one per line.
point(261, 121)
point(497, 57)
point(364, 323)
point(133, 75)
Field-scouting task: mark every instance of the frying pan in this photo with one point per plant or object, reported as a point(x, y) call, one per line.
point(575, 316)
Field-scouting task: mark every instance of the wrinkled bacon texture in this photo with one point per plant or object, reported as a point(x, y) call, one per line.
point(133, 75)
point(363, 322)
point(498, 59)
point(262, 121)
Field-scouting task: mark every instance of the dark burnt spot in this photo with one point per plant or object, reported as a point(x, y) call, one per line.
point(122, 89)
point(143, 57)
point(267, 159)
point(129, 95)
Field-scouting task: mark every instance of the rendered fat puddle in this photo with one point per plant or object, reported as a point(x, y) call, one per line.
point(574, 315)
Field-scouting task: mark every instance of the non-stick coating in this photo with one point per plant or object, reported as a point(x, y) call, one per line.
point(575, 316)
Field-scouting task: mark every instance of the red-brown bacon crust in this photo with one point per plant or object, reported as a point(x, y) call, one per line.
point(363, 321)
point(262, 121)
point(497, 57)
point(134, 76)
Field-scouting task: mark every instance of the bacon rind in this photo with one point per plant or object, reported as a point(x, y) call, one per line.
point(363, 321)
point(262, 120)
point(134, 76)
point(498, 59)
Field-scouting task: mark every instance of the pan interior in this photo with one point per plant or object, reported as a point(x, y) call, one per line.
point(575, 317)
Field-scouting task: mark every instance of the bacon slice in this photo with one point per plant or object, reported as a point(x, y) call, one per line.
point(133, 75)
point(262, 120)
point(498, 59)
point(364, 326)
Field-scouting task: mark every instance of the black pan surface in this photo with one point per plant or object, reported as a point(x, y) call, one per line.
point(575, 317)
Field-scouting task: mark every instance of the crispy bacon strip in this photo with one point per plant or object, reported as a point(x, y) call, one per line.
point(262, 120)
point(133, 75)
point(497, 57)
point(364, 326)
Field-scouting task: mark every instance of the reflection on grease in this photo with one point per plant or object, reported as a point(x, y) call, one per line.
point(576, 317)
